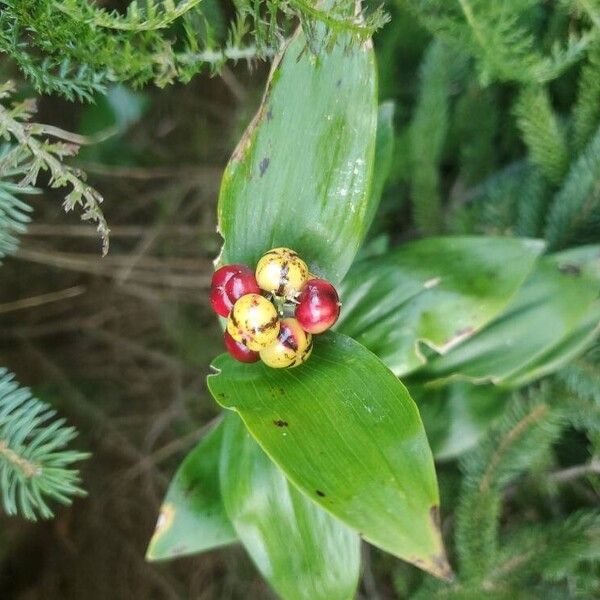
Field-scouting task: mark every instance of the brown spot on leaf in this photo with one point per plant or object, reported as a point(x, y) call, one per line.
point(179, 549)
point(270, 114)
point(461, 333)
point(280, 423)
point(570, 269)
point(434, 513)
point(320, 493)
point(338, 83)
point(264, 165)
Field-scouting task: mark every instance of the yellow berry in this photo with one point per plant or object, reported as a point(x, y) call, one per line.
point(292, 348)
point(282, 272)
point(253, 322)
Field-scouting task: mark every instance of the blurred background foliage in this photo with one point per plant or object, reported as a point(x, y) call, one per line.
point(497, 121)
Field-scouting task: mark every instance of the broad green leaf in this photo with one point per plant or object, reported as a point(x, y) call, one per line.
point(192, 518)
point(305, 553)
point(344, 430)
point(437, 292)
point(553, 318)
point(301, 174)
point(457, 416)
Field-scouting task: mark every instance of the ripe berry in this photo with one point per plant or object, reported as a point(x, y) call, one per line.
point(318, 306)
point(292, 348)
point(282, 272)
point(239, 351)
point(229, 283)
point(253, 322)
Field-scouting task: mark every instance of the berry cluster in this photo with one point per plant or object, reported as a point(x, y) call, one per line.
point(273, 313)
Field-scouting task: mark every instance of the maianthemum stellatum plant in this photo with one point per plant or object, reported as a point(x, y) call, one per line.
point(306, 461)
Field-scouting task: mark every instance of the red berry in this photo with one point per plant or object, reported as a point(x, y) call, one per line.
point(229, 283)
point(239, 351)
point(318, 306)
point(221, 276)
point(241, 284)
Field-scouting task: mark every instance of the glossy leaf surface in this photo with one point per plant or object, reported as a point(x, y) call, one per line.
point(552, 319)
point(301, 174)
point(304, 552)
point(192, 518)
point(344, 429)
point(437, 292)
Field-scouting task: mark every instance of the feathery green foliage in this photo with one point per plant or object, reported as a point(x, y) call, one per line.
point(35, 466)
point(523, 557)
point(523, 437)
point(502, 36)
point(154, 15)
point(76, 48)
point(586, 112)
point(542, 132)
point(32, 150)
point(428, 134)
point(474, 130)
point(577, 204)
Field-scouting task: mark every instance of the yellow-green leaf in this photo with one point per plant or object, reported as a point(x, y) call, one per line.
point(192, 518)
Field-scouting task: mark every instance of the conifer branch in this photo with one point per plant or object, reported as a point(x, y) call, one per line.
point(35, 464)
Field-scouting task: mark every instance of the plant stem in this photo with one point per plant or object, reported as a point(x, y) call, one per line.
point(28, 469)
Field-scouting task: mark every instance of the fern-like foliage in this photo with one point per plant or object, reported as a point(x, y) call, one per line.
point(586, 112)
point(517, 444)
point(33, 148)
point(577, 204)
point(525, 557)
point(542, 132)
point(428, 134)
point(502, 36)
point(35, 464)
point(151, 15)
point(74, 48)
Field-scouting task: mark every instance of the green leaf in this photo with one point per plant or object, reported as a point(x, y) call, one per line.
point(553, 318)
point(437, 292)
point(192, 518)
point(304, 553)
point(300, 176)
point(344, 430)
point(457, 416)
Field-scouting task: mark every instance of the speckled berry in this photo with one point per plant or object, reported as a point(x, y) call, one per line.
point(253, 322)
point(239, 351)
point(281, 272)
point(318, 306)
point(229, 283)
point(292, 348)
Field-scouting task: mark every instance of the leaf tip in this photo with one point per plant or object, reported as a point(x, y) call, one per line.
point(163, 523)
point(437, 564)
